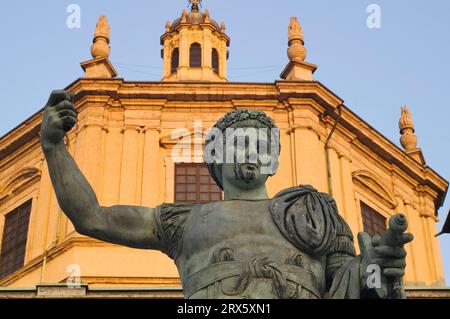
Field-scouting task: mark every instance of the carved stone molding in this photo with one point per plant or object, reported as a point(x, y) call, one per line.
point(190, 137)
point(129, 127)
point(373, 184)
point(15, 182)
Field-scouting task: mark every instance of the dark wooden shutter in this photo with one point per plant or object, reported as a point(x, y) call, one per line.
point(195, 56)
point(14, 240)
point(374, 223)
point(175, 60)
point(194, 185)
point(215, 60)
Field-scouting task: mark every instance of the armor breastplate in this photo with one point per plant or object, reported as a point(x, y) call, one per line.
point(255, 249)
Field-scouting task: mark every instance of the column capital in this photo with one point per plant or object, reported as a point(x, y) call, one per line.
point(151, 128)
point(131, 127)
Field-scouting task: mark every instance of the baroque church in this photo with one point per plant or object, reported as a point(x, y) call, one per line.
point(125, 146)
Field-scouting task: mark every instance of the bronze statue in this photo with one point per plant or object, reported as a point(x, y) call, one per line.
point(295, 245)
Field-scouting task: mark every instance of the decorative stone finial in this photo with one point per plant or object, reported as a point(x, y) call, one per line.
point(222, 27)
point(297, 69)
point(168, 26)
point(406, 125)
point(101, 48)
point(183, 16)
point(295, 30)
point(100, 66)
point(195, 5)
point(296, 49)
point(408, 138)
point(207, 17)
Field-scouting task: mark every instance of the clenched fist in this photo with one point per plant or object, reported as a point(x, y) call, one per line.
point(60, 116)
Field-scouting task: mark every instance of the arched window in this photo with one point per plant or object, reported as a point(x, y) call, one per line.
point(175, 60)
point(195, 58)
point(215, 60)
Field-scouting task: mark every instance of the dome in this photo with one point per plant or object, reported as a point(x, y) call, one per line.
point(194, 17)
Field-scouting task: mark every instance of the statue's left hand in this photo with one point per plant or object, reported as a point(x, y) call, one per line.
point(391, 259)
point(389, 254)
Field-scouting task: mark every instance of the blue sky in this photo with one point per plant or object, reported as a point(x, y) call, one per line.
point(375, 71)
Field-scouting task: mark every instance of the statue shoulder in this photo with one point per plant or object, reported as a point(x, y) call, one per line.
point(171, 220)
point(308, 219)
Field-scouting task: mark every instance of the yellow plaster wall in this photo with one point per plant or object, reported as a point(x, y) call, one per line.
point(124, 149)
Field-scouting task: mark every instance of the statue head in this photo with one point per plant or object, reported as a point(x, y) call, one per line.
point(242, 149)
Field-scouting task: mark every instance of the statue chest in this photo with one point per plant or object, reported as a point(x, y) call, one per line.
point(241, 235)
point(246, 223)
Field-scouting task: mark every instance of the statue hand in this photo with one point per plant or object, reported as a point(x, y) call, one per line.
point(391, 259)
point(388, 253)
point(60, 116)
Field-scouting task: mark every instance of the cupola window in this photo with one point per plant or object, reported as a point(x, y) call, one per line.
point(175, 60)
point(215, 60)
point(195, 60)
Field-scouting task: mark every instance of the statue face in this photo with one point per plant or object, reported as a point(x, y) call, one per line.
point(242, 149)
point(247, 157)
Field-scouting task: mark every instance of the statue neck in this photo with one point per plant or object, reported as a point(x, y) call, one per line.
point(232, 192)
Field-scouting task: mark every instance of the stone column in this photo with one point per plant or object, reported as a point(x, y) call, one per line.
point(421, 258)
point(90, 163)
point(112, 164)
point(128, 171)
point(167, 59)
point(428, 220)
point(336, 181)
point(352, 214)
point(184, 54)
point(207, 54)
point(222, 51)
point(435, 251)
point(43, 209)
point(169, 179)
point(151, 163)
point(411, 271)
point(309, 150)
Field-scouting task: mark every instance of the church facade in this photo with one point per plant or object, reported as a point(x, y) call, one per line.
point(140, 143)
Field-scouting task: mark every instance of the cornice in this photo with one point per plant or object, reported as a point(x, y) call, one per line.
point(68, 243)
point(183, 27)
point(375, 185)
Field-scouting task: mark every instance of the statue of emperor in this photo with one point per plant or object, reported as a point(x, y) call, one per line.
point(294, 245)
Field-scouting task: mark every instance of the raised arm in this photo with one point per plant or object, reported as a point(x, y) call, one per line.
point(125, 225)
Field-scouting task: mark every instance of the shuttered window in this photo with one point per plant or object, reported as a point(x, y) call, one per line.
point(374, 223)
point(175, 60)
point(14, 240)
point(215, 60)
point(195, 57)
point(194, 185)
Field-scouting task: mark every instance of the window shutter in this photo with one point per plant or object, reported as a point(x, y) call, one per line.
point(193, 184)
point(374, 223)
point(215, 60)
point(195, 56)
point(175, 60)
point(14, 240)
